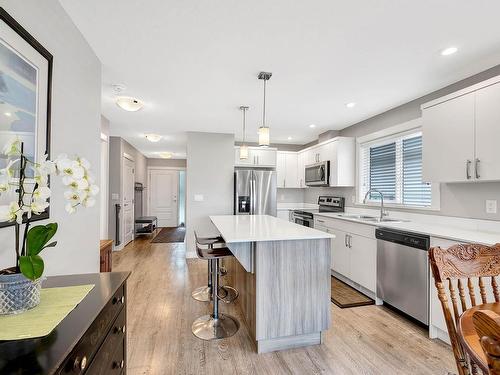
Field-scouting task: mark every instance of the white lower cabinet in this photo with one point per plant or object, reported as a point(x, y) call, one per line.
point(354, 250)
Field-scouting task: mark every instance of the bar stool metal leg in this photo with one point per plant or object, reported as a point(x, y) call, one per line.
point(216, 325)
point(204, 293)
point(226, 293)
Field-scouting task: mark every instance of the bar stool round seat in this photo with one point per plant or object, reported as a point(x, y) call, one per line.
point(216, 325)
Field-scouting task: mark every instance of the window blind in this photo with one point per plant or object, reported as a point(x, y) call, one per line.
point(415, 192)
point(383, 171)
point(393, 165)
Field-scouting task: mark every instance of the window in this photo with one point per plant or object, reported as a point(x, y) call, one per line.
point(393, 166)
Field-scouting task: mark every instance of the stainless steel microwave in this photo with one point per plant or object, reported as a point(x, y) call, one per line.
point(318, 174)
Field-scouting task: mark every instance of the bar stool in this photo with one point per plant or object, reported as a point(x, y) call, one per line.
point(216, 325)
point(225, 293)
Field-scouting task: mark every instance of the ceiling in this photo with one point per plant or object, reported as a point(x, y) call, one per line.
point(195, 62)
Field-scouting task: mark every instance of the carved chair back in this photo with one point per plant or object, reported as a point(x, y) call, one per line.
point(487, 325)
point(464, 270)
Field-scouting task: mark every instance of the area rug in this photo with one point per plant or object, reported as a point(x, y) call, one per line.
point(168, 235)
point(344, 296)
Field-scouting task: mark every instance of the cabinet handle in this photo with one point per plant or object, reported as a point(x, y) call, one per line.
point(120, 329)
point(319, 221)
point(345, 240)
point(120, 364)
point(467, 169)
point(350, 241)
point(80, 364)
point(476, 167)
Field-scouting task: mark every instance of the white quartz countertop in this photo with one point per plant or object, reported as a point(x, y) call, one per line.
point(255, 228)
point(434, 230)
point(296, 206)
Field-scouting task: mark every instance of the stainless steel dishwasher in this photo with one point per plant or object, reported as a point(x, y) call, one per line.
point(403, 271)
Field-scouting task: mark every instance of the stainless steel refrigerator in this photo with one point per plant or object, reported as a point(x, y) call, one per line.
point(254, 192)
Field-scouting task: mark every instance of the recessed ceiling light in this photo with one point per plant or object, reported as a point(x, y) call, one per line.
point(165, 155)
point(289, 138)
point(350, 105)
point(129, 104)
point(449, 51)
point(152, 137)
point(312, 126)
point(8, 114)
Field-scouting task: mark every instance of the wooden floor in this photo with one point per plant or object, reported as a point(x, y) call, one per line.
point(362, 340)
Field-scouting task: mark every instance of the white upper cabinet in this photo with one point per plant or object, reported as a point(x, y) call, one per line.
point(287, 169)
point(301, 169)
point(257, 157)
point(460, 135)
point(487, 161)
point(448, 140)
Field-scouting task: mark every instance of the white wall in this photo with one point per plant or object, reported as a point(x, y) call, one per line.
point(75, 129)
point(210, 172)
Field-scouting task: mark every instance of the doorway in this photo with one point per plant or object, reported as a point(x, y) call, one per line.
point(164, 196)
point(128, 200)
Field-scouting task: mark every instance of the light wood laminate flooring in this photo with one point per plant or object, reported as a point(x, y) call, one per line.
point(362, 340)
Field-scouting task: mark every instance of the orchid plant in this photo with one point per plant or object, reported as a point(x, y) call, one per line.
point(32, 198)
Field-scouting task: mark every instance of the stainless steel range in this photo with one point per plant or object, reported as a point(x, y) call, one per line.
point(326, 204)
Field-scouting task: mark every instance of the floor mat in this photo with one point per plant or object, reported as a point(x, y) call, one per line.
point(344, 296)
point(173, 234)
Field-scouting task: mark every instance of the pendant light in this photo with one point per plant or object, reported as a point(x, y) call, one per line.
point(264, 130)
point(244, 147)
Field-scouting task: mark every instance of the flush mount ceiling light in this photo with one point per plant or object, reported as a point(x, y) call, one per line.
point(350, 105)
point(129, 104)
point(8, 114)
point(312, 126)
point(289, 138)
point(165, 155)
point(263, 129)
point(449, 51)
point(152, 137)
point(244, 147)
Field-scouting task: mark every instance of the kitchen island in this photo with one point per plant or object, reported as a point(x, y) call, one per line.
point(282, 272)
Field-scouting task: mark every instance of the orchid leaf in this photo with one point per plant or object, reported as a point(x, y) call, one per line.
point(39, 236)
point(31, 266)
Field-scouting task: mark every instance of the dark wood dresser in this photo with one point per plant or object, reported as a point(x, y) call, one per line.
point(90, 340)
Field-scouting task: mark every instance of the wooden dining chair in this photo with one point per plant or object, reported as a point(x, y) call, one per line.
point(464, 268)
point(487, 326)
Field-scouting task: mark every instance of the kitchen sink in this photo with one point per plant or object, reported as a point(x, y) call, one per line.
point(372, 219)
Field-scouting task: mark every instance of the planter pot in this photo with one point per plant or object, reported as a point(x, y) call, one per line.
point(18, 294)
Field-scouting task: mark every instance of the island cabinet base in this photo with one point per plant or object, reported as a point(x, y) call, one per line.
point(285, 294)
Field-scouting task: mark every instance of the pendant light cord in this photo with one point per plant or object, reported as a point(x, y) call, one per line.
point(244, 124)
point(264, 107)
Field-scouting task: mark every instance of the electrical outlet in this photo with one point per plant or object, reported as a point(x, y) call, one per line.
point(115, 196)
point(353, 199)
point(198, 198)
point(491, 206)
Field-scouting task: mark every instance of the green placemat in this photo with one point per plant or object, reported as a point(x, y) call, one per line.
point(55, 304)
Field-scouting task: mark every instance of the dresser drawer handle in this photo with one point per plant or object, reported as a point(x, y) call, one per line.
point(116, 300)
point(80, 364)
point(120, 364)
point(118, 329)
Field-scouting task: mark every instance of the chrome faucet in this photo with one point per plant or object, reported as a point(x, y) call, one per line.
point(382, 211)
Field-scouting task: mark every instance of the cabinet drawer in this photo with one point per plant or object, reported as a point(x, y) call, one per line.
point(110, 359)
point(88, 345)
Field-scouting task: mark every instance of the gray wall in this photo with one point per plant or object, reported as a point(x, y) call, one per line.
point(210, 169)
point(75, 130)
point(170, 163)
point(461, 200)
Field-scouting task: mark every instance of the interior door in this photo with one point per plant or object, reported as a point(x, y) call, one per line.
point(128, 200)
point(164, 187)
point(487, 161)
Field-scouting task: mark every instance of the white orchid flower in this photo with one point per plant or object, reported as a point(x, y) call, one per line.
point(40, 179)
point(70, 168)
point(70, 209)
point(8, 171)
point(77, 184)
point(84, 163)
point(13, 147)
point(74, 196)
point(42, 193)
point(88, 202)
point(46, 166)
point(93, 190)
point(11, 212)
point(38, 206)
